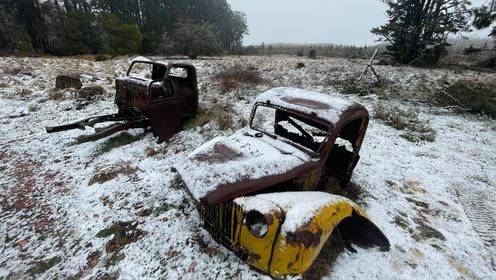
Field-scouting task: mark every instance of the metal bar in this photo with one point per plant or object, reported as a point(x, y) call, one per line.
point(111, 130)
point(81, 124)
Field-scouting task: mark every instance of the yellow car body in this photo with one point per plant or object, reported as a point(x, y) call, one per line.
point(297, 225)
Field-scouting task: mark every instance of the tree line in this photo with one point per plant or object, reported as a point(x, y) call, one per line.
point(327, 50)
point(117, 27)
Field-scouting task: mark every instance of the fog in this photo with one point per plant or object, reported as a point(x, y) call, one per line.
point(315, 21)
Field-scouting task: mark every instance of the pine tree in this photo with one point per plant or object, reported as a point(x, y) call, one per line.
point(417, 30)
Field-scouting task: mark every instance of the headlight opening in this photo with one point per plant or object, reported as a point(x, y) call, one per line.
point(257, 223)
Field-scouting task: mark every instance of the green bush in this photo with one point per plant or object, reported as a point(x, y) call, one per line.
point(470, 95)
point(312, 54)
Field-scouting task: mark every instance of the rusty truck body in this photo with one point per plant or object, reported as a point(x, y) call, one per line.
point(154, 95)
point(266, 192)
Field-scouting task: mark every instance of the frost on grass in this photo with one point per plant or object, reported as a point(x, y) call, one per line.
point(415, 129)
point(109, 173)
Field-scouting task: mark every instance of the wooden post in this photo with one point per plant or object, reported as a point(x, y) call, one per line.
point(369, 66)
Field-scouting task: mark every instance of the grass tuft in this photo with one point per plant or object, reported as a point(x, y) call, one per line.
point(238, 76)
point(111, 143)
point(112, 172)
point(416, 129)
point(220, 114)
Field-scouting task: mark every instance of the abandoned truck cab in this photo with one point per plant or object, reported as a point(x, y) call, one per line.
point(166, 92)
point(265, 191)
point(153, 94)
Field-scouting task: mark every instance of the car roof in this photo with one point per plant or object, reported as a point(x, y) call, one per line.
point(329, 108)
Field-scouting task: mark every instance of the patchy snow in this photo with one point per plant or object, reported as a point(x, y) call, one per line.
point(434, 201)
point(239, 157)
point(326, 107)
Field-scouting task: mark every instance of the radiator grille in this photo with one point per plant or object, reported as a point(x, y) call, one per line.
point(222, 220)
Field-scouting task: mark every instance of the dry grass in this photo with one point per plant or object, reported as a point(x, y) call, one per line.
point(355, 87)
point(112, 172)
point(102, 57)
point(56, 95)
point(18, 70)
point(469, 95)
point(120, 140)
point(238, 76)
point(91, 91)
point(415, 128)
point(220, 114)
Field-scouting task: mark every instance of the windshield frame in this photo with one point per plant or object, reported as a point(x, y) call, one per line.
point(153, 64)
point(289, 141)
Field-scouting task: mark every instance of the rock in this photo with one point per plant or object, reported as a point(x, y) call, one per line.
point(300, 65)
point(68, 81)
point(91, 91)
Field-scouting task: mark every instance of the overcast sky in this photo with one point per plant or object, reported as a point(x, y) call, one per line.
point(314, 21)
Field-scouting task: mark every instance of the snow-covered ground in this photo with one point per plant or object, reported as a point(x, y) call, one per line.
point(64, 208)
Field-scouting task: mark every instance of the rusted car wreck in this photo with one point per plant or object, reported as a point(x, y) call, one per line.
point(265, 191)
point(153, 94)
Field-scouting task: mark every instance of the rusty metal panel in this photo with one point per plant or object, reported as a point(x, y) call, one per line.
point(165, 118)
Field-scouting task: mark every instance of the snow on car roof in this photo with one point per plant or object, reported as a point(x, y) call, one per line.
point(327, 107)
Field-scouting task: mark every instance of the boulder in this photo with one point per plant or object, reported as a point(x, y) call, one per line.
point(68, 81)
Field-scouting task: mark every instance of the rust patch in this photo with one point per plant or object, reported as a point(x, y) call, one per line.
point(222, 153)
point(254, 257)
point(307, 103)
point(304, 237)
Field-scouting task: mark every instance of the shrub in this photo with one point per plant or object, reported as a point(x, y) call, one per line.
point(415, 128)
point(470, 95)
point(299, 53)
point(237, 76)
point(91, 91)
point(312, 54)
point(300, 65)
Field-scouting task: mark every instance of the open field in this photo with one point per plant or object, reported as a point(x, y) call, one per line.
point(109, 209)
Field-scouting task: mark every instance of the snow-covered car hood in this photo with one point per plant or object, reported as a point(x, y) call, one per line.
point(228, 167)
